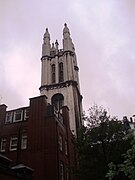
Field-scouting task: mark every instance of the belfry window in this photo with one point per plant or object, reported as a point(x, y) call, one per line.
point(58, 101)
point(61, 73)
point(53, 73)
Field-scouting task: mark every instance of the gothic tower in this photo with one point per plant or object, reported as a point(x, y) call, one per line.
point(59, 78)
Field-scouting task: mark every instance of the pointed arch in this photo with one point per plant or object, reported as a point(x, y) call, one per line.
point(57, 100)
point(53, 73)
point(61, 72)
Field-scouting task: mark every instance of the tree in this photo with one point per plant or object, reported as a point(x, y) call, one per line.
point(127, 167)
point(99, 143)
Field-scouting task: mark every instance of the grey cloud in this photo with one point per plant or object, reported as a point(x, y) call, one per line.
point(103, 34)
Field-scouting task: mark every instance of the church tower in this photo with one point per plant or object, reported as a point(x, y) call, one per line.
point(59, 78)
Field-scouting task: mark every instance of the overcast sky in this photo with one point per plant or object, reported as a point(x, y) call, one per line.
point(103, 34)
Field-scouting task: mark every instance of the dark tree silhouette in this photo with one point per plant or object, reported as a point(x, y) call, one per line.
point(98, 143)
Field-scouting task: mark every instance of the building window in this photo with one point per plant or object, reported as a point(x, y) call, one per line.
point(67, 173)
point(3, 145)
point(61, 73)
point(60, 143)
point(53, 73)
point(61, 171)
point(9, 117)
point(13, 143)
point(66, 148)
point(58, 101)
point(24, 141)
point(26, 114)
point(18, 115)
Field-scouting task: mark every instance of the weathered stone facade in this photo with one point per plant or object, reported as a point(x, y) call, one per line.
point(60, 76)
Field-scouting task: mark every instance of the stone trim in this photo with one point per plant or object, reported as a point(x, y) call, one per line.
point(58, 85)
point(60, 53)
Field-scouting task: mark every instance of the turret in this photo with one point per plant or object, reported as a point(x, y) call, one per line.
point(67, 41)
point(66, 32)
point(46, 44)
point(57, 46)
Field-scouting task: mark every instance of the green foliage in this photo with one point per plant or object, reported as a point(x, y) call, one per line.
point(127, 167)
point(99, 143)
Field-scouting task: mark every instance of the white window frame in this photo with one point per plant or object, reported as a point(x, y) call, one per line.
point(24, 142)
point(13, 147)
point(9, 117)
point(3, 145)
point(18, 112)
point(26, 114)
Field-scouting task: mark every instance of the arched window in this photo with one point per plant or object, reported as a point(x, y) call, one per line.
point(58, 101)
point(53, 73)
point(61, 72)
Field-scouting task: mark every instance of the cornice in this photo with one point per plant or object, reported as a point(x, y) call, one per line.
point(59, 85)
point(61, 53)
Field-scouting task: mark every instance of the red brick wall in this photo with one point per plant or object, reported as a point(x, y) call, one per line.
point(43, 153)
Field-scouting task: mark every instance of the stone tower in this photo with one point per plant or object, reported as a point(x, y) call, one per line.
point(59, 78)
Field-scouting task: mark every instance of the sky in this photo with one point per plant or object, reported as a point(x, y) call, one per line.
point(103, 34)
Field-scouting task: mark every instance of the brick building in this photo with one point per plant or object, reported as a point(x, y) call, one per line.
point(39, 137)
